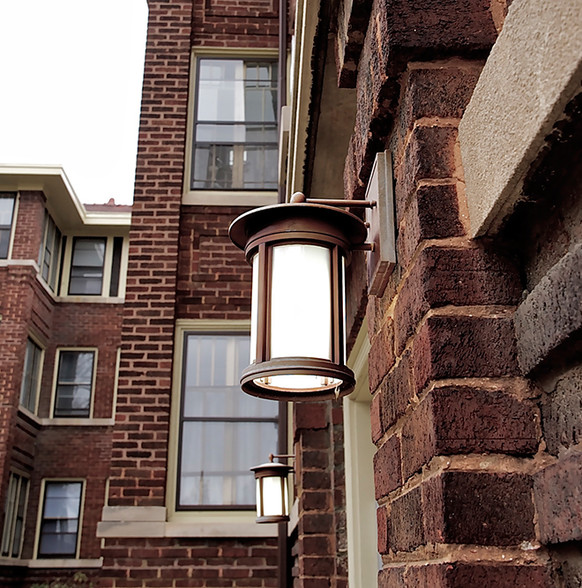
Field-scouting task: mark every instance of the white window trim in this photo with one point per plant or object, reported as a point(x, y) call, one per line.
point(41, 512)
point(359, 452)
point(14, 221)
point(95, 351)
point(63, 287)
point(219, 197)
point(42, 348)
point(16, 471)
point(207, 521)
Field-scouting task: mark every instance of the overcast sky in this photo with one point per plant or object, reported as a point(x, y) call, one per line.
point(71, 73)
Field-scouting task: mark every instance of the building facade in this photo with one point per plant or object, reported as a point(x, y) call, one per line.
point(456, 461)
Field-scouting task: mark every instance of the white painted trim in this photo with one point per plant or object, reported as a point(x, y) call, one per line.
point(150, 521)
point(359, 472)
point(65, 563)
point(76, 422)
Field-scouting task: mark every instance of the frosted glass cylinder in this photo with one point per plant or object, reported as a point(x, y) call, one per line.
point(275, 500)
point(301, 301)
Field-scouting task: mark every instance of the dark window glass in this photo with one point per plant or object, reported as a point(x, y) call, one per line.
point(31, 375)
point(74, 384)
point(14, 515)
point(60, 519)
point(116, 266)
point(50, 252)
point(235, 131)
point(223, 432)
point(7, 200)
point(87, 266)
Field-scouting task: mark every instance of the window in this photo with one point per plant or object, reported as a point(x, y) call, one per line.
point(50, 249)
point(74, 383)
point(223, 432)
point(7, 201)
point(235, 125)
point(31, 376)
point(14, 514)
point(59, 526)
point(87, 264)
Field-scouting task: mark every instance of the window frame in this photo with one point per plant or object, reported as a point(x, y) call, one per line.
point(41, 518)
point(15, 200)
point(208, 514)
point(233, 197)
point(37, 384)
point(54, 396)
point(11, 515)
point(54, 266)
point(110, 259)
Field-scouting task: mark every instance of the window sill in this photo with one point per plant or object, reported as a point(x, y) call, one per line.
point(142, 522)
point(52, 563)
point(229, 198)
point(91, 299)
point(76, 422)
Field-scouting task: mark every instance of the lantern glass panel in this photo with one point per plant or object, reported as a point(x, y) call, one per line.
point(275, 496)
point(301, 324)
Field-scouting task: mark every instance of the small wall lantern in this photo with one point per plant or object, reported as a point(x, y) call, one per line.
point(272, 491)
point(298, 252)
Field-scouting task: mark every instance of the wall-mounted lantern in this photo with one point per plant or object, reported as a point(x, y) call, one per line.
point(272, 491)
point(298, 252)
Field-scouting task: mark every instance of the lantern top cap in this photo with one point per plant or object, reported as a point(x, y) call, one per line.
point(273, 467)
point(248, 224)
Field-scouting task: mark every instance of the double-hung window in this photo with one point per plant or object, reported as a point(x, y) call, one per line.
point(31, 376)
point(223, 432)
point(50, 249)
point(235, 125)
point(87, 263)
point(14, 515)
point(61, 513)
point(74, 383)
point(95, 266)
point(7, 202)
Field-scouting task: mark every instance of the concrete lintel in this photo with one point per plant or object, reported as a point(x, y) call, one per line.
point(533, 71)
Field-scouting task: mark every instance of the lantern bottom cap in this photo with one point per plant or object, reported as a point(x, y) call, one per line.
point(272, 519)
point(297, 379)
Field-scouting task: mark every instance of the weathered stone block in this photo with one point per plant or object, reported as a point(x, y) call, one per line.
point(552, 312)
point(558, 497)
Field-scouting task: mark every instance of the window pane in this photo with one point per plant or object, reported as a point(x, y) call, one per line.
point(14, 513)
point(6, 214)
point(234, 91)
point(74, 383)
point(224, 431)
point(87, 266)
point(217, 457)
point(60, 519)
point(49, 252)
point(31, 375)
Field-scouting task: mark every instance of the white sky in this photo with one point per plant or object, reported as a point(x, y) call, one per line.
point(71, 74)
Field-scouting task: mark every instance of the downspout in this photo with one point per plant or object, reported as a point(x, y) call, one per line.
point(282, 76)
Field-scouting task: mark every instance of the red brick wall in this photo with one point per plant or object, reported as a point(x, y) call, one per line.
point(214, 279)
point(182, 266)
point(457, 427)
point(319, 541)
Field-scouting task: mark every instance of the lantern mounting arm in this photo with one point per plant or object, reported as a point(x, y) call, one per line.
point(272, 456)
point(299, 197)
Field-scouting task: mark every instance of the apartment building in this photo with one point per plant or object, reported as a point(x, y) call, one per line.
point(455, 462)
